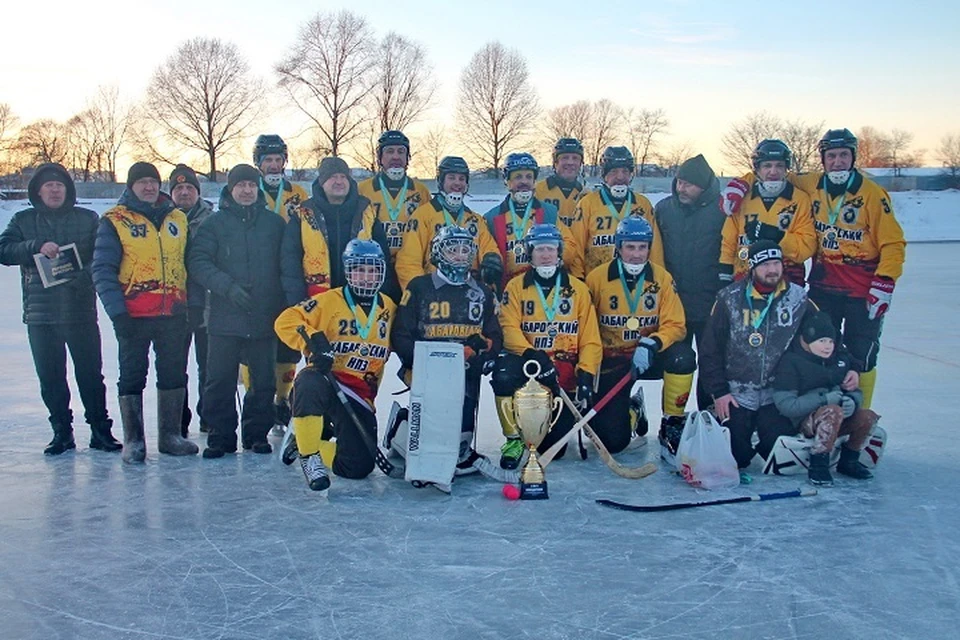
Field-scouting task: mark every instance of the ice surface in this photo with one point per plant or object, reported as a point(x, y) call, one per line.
point(238, 548)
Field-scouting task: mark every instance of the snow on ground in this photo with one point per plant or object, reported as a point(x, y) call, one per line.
point(238, 548)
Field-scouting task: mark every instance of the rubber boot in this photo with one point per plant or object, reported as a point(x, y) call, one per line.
point(131, 416)
point(62, 440)
point(101, 438)
point(169, 415)
point(850, 465)
point(819, 472)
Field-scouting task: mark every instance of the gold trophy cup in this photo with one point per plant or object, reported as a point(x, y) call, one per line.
point(532, 407)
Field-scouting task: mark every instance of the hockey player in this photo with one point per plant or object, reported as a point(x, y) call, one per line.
point(773, 210)
point(860, 249)
point(446, 208)
point(599, 212)
point(393, 194)
point(547, 316)
point(509, 220)
point(563, 188)
point(641, 325)
point(449, 305)
point(347, 346)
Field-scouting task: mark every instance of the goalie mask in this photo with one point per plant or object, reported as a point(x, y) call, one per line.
point(364, 266)
point(452, 252)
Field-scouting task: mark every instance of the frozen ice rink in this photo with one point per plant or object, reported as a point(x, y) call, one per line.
point(238, 548)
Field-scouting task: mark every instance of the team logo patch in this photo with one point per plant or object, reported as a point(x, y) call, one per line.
point(364, 351)
point(474, 295)
point(786, 317)
point(850, 214)
point(649, 301)
point(565, 306)
point(475, 311)
point(173, 229)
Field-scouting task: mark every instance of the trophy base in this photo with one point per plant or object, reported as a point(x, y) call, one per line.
point(533, 491)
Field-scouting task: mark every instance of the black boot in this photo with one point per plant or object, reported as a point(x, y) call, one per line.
point(819, 472)
point(101, 438)
point(169, 413)
point(131, 417)
point(62, 440)
point(850, 465)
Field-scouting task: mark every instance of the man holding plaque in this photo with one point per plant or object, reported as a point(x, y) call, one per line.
point(641, 325)
point(750, 327)
point(64, 315)
point(546, 316)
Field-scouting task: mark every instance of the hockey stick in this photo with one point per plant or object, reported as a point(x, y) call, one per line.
point(385, 465)
point(551, 453)
point(797, 493)
point(624, 472)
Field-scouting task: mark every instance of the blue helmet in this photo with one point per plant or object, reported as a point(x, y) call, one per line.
point(567, 145)
point(519, 161)
point(457, 266)
point(543, 234)
point(364, 253)
point(633, 229)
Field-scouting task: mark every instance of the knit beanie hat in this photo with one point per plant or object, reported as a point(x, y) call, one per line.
point(242, 172)
point(50, 172)
point(330, 166)
point(696, 171)
point(182, 174)
point(817, 325)
point(140, 170)
point(763, 251)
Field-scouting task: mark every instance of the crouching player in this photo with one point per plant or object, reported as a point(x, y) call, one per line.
point(347, 335)
point(547, 316)
point(641, 322)
point(449, 305)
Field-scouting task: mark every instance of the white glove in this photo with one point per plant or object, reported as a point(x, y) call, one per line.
point(879, 297)
point(647, 348)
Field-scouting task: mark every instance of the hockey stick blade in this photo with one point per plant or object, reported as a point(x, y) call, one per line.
point(633, 473)
point(760, 497)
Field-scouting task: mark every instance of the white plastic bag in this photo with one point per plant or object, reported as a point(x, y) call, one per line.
point(704, 457)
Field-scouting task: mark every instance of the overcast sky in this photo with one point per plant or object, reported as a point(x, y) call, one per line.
point(885, 64)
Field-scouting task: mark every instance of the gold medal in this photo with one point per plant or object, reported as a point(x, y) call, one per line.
point(744, 253)
point(633, 323)
point(755, 339)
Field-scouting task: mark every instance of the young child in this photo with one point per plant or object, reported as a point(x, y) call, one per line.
point(816, 389)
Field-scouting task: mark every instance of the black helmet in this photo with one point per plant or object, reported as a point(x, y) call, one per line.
point(616, 157)
point(567, 145)
point(451, 164)
point(266, 144)
point(771, 149)
point(391, 138)
point(838, 139)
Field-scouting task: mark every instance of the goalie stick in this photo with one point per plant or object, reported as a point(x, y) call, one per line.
point(760, 497)
point(624, 472)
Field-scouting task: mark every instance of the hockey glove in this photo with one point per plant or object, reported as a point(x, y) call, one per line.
point(643, 357)
point(491, 269)
point(477, 352)
point(584, 391)
point(240, 298)
point(848, 406)
point(321, 352)
point(732, 196)
point(548, 373)
point(755, 230)
point(879, 297)
point(832, 397)
point(123, 325)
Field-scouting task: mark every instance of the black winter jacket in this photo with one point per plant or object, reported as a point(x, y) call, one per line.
point(28, 230)
point(239, 245)
point(802, 381)
point(691, 236)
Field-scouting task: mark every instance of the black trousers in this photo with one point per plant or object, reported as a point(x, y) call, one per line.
point(861, 335)
point(48, 345)
point(197, 335)
point(695, 330)
point(314, 395)
point(167, 335)
point(219, 407)
point(766, 421)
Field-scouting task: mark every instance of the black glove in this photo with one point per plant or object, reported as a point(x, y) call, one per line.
point(491, 269)
point(123, 325)
point(321, 352)
point(481, 352)
point(240, 298)
point(755, 230)
point(195, 318)
point(548, 372)
point(584, 391)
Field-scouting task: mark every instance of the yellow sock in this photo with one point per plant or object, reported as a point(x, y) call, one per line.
point(508, 429)
point(868, 380)
point(328, 451)
point(307, 431)
point(676, 392)
point(285, 373)
point(245, 376)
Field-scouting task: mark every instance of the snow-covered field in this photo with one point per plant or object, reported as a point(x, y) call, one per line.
point(238, 548)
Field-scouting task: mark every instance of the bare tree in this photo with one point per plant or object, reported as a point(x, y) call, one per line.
point(497, 105)
point(430, 150)
point(112, 122)
point(85, 150)
point(43, 141)
point(644, 126)
point(742, 138)
point(8, 124)
point(899, 145)
point(404, 82)
point(205, 98)
point(948, 153)
point(803, 138)
point(567, 121)
point(673, 157)
point(606, 118)
point(327, 74)
point(873, 148)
